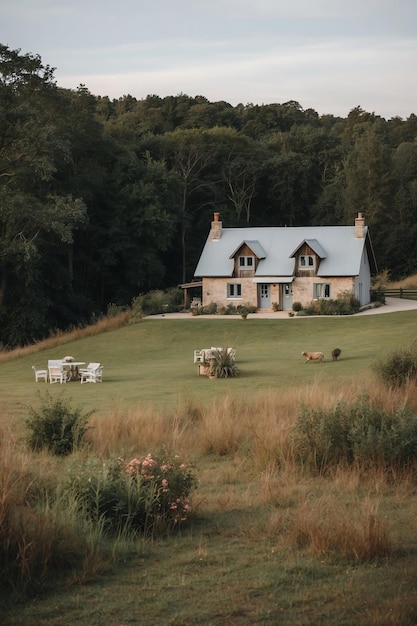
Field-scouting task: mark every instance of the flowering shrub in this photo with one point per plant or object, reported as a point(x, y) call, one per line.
point(143, 494)
point(170, 480)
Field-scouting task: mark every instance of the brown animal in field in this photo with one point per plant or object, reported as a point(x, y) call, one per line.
point(336, 353)
point(313, 356)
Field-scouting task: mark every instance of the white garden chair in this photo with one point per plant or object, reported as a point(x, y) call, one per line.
point(57, 374)
point(199, 356)
point(40, 374)
point(93, 373)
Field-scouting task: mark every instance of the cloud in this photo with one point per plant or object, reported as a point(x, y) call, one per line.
point(332, 77)
point(330, 55)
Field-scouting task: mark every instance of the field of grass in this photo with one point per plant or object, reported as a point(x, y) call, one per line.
point(151, 363)
point(269, 543)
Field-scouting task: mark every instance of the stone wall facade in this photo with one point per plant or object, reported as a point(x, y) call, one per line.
point(216, 290)
point(303, 290)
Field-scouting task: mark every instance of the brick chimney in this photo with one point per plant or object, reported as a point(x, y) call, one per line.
point(360, 226)
point(216, 228)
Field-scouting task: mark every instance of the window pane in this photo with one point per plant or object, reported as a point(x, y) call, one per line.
point(321, 290)
point(234, 290)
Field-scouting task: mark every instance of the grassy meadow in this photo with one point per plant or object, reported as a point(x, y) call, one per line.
point(270, 541)
point(151, 363)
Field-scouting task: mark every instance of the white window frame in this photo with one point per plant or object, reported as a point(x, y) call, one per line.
point(309, 262)
point(234, 291)
point(322, 291)
point(246, 262)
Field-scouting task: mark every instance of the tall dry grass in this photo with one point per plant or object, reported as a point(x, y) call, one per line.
point(230, 425)
point(352, 530)
point(406, 283)
point(27, 536)
point(258, 428)
point(40, 532)
point(383, 281)
point(60, 338)
point(326, 515)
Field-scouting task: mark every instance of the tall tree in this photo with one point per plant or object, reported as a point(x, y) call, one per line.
point(188, 154)
point(29, 210)
point(368, 170)
point(241, 164)
point(400, 228)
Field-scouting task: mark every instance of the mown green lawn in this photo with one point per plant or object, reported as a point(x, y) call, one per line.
point(151, 362)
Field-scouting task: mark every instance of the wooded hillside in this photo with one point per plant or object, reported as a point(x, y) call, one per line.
point(102, 200)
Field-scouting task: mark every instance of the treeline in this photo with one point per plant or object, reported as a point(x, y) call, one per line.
point(101, 200)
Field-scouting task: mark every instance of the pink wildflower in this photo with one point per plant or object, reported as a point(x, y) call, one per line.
point(132, 466)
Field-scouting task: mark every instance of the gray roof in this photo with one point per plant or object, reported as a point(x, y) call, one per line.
point(340, 251)
point(314, 245)
point(255, 246)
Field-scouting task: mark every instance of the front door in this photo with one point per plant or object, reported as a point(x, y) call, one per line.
point(286, 296)
point(264, 296)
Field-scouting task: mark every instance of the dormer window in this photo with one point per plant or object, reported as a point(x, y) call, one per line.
point(307, 262)
point(246, 262)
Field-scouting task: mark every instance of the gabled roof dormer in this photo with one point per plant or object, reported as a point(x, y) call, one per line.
point(246, 258)
point(254, 246)
point(308, 256)
point(314, 246)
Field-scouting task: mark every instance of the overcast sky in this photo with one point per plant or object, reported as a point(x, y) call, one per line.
point(329, 55)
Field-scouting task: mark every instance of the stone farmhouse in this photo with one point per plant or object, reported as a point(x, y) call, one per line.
point(261, 266)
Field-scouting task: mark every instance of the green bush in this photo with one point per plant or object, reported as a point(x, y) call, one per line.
point(378, 296)
point(209, 309)
point(245, 309)
point(348, 303)
point(359, 434)
point(158, 301)
point(55, 426)
point(297, 306)
point(344, 304)
point(398, 367)
point(148, 494)
point(113, 310)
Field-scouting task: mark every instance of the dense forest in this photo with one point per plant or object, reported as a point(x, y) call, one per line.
point(102, 200)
